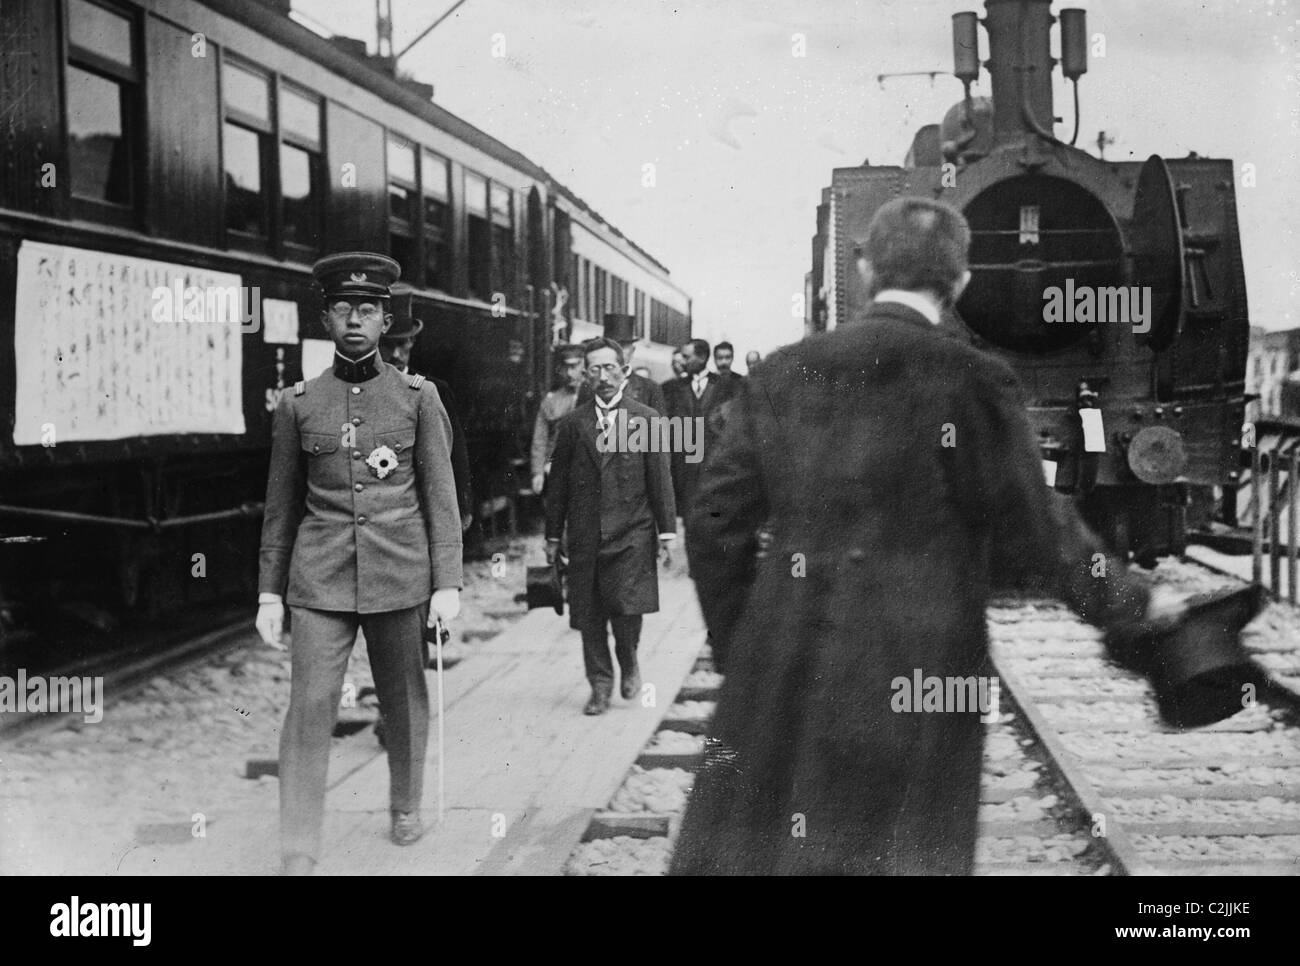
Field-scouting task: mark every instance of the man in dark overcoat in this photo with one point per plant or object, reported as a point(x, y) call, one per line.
point(615, 505)
point(899, 483)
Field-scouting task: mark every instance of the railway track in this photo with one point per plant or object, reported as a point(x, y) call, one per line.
point(1081, 777)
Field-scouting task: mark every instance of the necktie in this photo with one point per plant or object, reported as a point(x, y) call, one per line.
point(699, 387)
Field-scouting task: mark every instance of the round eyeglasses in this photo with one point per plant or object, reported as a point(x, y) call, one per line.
point(368, 311)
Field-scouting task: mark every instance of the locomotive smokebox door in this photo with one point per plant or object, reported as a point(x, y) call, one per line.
point(1156, 243)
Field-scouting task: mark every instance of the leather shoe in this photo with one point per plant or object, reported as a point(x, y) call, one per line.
point(407, 828)
point(297, 864)
point(597, 704)
point(630, 684)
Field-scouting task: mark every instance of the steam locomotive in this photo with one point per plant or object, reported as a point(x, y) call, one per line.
point(1114, 289)
point(156, 148)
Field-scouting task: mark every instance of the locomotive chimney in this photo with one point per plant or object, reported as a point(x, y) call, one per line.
point(1020, 64)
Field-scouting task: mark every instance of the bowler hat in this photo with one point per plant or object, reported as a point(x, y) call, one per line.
point(545, 586)
point(404, 326)
point(620, 327)
point(357, 274)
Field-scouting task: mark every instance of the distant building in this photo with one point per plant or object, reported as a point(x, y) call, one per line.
point(1273, 373)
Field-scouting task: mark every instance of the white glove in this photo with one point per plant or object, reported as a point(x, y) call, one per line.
point(270, 623)
point(444, 603)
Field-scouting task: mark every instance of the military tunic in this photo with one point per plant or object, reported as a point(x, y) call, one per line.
point(344, 530)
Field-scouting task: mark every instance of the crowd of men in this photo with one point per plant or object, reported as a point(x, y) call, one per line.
point(837, 543)
point(693, 391)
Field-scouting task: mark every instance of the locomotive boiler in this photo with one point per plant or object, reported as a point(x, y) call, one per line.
point(1114, 289)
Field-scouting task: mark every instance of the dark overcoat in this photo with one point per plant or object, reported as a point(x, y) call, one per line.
point(614, 506)
point(894, 469)
point(680, 400)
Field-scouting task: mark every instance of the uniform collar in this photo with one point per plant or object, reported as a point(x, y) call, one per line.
point(367, 367)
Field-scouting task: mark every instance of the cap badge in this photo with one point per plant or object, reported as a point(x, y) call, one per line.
point(358, 276)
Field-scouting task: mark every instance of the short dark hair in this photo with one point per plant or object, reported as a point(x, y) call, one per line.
point(724, 345)
point(600, 342)
point(563, 353)
point(699, 346)
point(917, 244)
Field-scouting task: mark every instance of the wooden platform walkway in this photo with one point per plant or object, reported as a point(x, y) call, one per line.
point(525, 769)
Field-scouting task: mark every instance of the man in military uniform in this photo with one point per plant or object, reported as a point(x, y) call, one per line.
point(558, 403)
point(361, 530)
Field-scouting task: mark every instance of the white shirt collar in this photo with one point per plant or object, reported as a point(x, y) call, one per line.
point(613, 402)
point(913, 300)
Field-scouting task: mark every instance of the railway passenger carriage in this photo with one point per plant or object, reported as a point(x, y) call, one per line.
point(218, 146)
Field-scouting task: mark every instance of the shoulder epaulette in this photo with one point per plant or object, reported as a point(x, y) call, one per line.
point(415, 381)
point(300, 387)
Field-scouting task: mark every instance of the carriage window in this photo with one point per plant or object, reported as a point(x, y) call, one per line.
point(299, 117)
point(105, 32)
point(245, 201)
point(248, 152)
point(301, 167)
point(480, 238)
point(503, 238)
point(435, 175)
point(402, 195)
point(246, 92)
point(103, 94)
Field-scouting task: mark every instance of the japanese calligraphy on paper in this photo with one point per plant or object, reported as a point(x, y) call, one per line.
point(93, 362)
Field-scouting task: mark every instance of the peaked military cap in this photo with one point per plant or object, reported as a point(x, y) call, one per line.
point(620, 327)
point(404, 325)
point(356, 274)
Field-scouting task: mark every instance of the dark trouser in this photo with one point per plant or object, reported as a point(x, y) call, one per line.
point(322, 643)
point(595, 650)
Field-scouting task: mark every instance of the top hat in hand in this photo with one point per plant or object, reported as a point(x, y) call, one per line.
point(1197, 666)
point(545, 586)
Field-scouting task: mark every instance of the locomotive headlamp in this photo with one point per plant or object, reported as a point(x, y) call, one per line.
point(965, 47)
point(1074, 43)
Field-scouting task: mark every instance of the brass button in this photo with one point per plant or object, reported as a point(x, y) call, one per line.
point(397, 446)
point(857, 555)
point(356, 454)
point(316, 448)
point(356, 390)
point(361, 521)
point(356, 420)
point(358, 487)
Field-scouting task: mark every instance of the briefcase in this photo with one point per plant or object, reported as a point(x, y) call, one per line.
point(545, 586)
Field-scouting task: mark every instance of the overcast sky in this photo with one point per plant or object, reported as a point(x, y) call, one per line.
point(743, 134)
